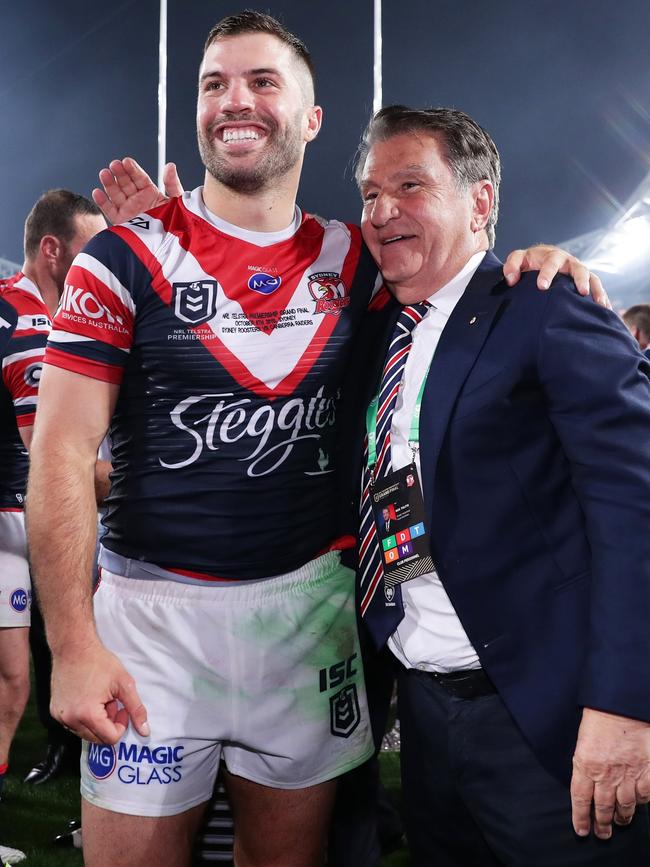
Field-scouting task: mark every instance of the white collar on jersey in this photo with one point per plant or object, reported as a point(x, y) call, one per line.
point(29, 286)
point(193, 201)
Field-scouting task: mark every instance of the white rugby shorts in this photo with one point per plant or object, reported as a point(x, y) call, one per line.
point(266, 675)
point(15, 584)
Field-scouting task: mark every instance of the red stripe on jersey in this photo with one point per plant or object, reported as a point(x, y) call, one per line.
point(89, 308)
point(26, 420)
point(85, 366)
point(201, 576)
point(343, 543)
point(381, 299)
point(11, 510)
point(211, 341)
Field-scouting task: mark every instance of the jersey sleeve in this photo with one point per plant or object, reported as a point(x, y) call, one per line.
point(92, 331)
point(23, 345)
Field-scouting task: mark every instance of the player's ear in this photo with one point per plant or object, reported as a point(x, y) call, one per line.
point(314, 121)
point(50, 247)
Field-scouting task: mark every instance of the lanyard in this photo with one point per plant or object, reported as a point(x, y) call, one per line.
point(371, 424)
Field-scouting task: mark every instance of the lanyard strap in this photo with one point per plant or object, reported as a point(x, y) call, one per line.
point(371, 423)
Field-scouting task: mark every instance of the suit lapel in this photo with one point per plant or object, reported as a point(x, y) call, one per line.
point(459, 346)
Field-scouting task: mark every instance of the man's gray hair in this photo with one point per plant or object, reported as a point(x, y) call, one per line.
point(470, 152)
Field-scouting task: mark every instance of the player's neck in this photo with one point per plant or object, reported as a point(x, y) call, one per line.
point(43, 281)
point(264, 211)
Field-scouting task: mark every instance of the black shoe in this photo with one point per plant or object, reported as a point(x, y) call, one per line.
point(58, 758)
point(71, 837)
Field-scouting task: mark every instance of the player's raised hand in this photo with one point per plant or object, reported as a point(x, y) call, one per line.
point(128, 189)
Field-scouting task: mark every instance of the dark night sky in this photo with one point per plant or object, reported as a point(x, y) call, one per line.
point(563, 86)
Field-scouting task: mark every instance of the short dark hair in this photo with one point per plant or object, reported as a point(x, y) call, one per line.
point(250, 21)
point(470, 152)
point(638, 317)
point(54, 214)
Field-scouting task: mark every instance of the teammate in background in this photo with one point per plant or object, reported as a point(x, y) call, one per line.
point(637, 319)
point(59, 225)
point(215, 335)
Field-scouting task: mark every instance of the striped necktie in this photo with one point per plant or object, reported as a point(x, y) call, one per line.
point(382, 615)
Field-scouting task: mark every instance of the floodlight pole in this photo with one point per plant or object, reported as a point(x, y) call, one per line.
point(377, 83)
point(162, 93)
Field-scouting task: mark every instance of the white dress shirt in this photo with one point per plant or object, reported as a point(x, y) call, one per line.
point(431, 636)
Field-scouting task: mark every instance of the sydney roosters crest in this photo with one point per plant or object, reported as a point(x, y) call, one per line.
point(328, 291)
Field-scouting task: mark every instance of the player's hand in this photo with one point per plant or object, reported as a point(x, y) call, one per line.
point(128, 190)
point(95, 697)
point(611, 770)
point(549, 261)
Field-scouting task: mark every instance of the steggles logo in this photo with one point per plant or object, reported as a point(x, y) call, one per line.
point(228, 421)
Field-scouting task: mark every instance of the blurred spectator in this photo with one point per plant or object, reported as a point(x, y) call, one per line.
point(637, 319)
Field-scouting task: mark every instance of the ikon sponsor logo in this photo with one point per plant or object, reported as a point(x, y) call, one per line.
point(82, 302)
point(328, 291)
point(19, 599)
point(265, 284)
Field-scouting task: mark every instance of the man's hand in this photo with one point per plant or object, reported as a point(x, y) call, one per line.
point(94, 696)
point(128, 190)
point(550, 261)
point(611, 769)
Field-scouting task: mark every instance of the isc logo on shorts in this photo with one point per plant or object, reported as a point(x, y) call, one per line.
point(101, 760)
point(345, 715)
point(19, 599)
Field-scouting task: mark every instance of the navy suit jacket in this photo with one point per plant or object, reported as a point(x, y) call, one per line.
point(535, 457)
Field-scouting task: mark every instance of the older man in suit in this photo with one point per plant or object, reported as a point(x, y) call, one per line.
point(514, 590)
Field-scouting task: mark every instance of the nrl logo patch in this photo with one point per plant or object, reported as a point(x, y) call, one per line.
point(328, 291)
point(344, 712)
point(195, 302)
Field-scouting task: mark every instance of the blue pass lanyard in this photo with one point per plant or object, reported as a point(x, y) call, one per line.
point(371, 425)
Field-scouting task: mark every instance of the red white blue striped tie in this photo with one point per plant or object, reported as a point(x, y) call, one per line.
point(382, 619)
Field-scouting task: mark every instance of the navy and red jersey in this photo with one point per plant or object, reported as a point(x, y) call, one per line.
point(24, 327)
point(229, 347)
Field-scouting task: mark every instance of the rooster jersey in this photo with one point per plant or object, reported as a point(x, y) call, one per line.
point(229, 347)
point(24, 327)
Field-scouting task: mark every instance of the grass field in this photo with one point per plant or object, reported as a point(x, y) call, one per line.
point(30, 816)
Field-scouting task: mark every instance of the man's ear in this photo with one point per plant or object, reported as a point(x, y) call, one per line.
point(50, 247)
point(314, 121)
point(483, 200)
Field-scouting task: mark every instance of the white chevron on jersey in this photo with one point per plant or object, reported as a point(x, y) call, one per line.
point(269, 357)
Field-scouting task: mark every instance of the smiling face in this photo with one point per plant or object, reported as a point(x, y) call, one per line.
point(255, 111)
point(419, 224)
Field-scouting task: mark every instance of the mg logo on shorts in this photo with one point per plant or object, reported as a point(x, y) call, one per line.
point(19, 599)
point(101, 760)
point(195, 302)
point(344, 712)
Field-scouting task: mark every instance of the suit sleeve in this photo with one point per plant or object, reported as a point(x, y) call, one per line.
point(598, 391)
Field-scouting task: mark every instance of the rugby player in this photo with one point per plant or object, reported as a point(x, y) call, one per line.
point(57, 228)
point(212, 333)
